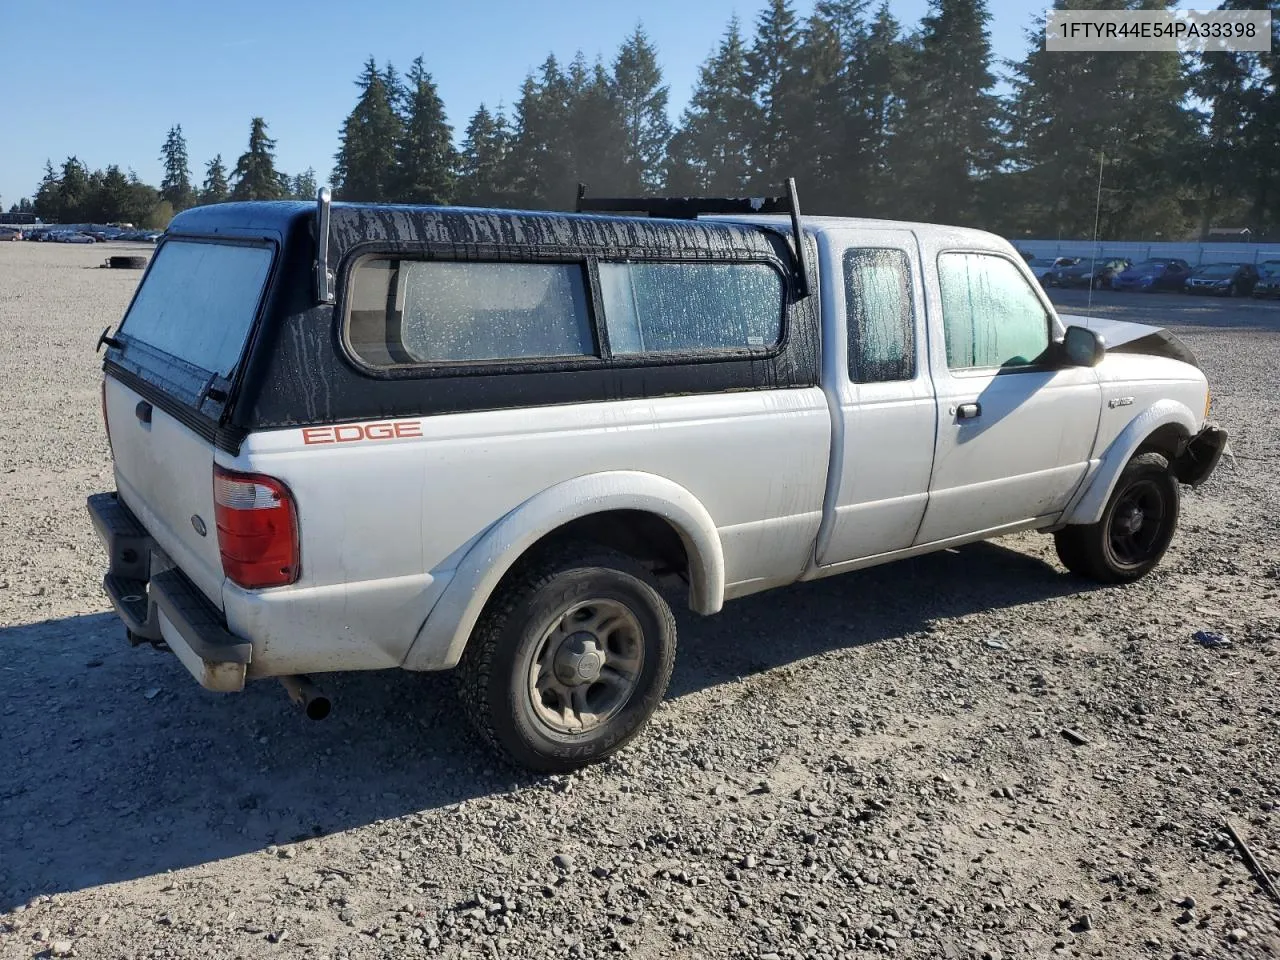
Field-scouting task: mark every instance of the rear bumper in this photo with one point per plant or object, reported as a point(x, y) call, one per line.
point(156, 601)
point(1200, 456)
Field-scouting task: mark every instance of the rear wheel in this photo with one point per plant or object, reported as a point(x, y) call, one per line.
point(1136, 528)
point(570, 658)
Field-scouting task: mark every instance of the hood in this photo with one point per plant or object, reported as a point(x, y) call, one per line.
point(1123, 336)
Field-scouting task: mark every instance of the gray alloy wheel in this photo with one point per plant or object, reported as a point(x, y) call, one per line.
point(587, 666)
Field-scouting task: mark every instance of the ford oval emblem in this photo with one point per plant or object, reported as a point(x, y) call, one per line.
point(198, 524)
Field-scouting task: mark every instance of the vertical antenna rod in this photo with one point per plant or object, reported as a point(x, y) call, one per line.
point(1097, 210)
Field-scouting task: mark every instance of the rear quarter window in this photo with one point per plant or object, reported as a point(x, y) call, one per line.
point(199, 301)
point(656, 308)
point(432, 312)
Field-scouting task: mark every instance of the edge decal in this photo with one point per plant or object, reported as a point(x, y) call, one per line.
point(356, 432)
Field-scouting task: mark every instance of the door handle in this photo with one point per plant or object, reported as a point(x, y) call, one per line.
point(969, 411)
point(142, 411)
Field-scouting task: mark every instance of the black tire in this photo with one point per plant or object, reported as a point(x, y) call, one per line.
point(127, 263)
point(1113, 550)
point(506, 656)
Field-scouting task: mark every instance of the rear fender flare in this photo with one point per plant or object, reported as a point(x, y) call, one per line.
point(1095, 493)
point(442, 638)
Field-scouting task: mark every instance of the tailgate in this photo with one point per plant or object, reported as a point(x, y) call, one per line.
point(174, 360)
point(164, 474)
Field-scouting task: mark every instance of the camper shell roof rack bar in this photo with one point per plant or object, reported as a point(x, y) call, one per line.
point(690, 208)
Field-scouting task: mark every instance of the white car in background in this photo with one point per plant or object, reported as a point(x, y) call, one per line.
point(1041, 267)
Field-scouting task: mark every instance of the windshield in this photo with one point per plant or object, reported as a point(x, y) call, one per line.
point(1149, 267)
point(199, 300)
point(1269, 269)
point(1217, 270)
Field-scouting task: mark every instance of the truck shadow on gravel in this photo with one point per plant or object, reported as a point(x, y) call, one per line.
point(117, 766)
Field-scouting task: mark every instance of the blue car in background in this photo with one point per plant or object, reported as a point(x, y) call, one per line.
point(1158, 273)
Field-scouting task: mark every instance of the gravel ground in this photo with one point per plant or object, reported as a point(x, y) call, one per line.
point(864, 766)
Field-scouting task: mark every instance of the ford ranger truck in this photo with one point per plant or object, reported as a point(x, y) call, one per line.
point(363, 437)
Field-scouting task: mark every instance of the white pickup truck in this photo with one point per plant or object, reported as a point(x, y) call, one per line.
point(354, 437)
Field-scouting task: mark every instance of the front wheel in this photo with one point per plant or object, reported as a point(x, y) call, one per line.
point(1136, 528)
point(570, 658)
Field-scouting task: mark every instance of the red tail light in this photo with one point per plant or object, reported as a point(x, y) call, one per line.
point(257, 529)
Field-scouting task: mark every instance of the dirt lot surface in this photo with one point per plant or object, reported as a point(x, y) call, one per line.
point(864, 766)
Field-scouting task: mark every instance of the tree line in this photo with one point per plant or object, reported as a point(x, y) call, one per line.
point(872, 119)
point(73, 194)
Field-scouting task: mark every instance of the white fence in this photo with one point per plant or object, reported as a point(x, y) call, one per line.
point(1193, 253)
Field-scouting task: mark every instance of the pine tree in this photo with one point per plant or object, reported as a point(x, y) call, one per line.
point(878, 81)
point(73, 191)
point(541, 163)
point(598, 134)
point(176, 185)
point(948, 142)
point(710, 153)
point(1068, 110)
point(113, 203)
point(425, 152)
point(775, 74)
point(215, 182)
point(642, 103)
point(48, 199)
point(255, 173)
point(304, 186)
point(1237, 159)
point(482, 162)
point(822, 108)
point(366, 160)
point(92, 207)
point(144, 206)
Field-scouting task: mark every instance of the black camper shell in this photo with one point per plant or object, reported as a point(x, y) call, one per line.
point(298, 368)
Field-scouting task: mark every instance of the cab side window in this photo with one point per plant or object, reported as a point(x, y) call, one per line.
point(881, 321)
point(990, 314)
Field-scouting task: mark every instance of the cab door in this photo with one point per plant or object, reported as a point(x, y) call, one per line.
point(1015, 431)
point(876, 376)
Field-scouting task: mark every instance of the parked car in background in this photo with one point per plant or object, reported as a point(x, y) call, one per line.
point(1158, 273)
point(1043, 267)
point(9, 234)
point(1040, 266)
point(71, 236)
point(1089, 273)
point(1268, 284)
point(1223, 279)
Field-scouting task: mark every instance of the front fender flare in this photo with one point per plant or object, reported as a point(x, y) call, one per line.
point(1096, 491)
point(442, 638)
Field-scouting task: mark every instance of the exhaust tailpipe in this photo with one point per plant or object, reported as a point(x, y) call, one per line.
point(313, 701)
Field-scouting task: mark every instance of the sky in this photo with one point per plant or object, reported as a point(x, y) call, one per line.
point(106, 81)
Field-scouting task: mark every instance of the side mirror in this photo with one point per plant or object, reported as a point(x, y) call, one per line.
point(1083, 348)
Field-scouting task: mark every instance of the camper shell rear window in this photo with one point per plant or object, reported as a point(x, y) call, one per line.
point(198, 302)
